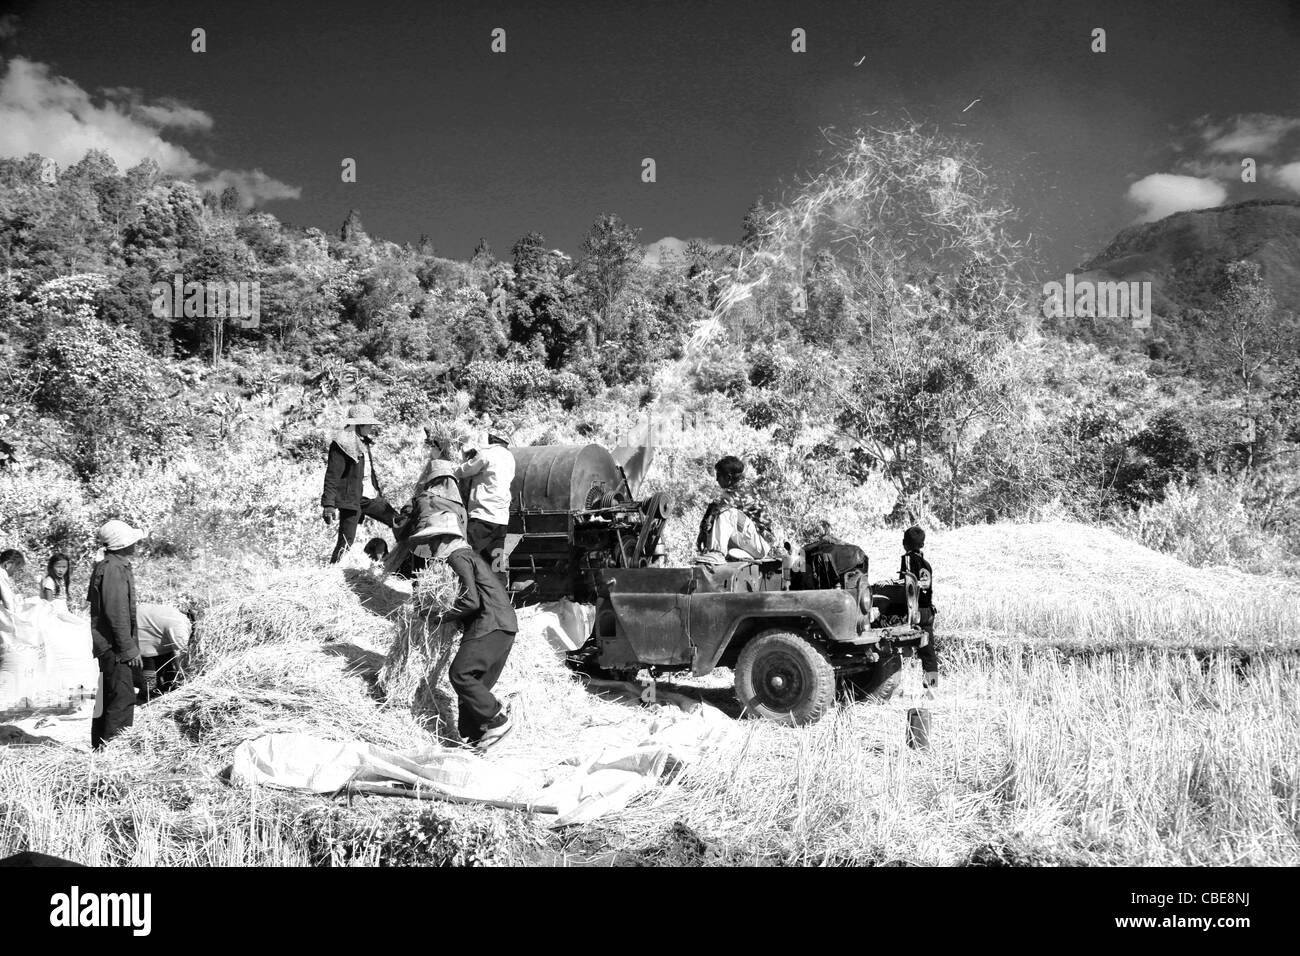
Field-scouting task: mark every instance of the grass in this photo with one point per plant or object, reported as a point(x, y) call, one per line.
point(1157, 721)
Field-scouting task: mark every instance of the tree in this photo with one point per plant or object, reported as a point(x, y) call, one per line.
point(230, 201)
point(107, 392)
point(613, 254)
point(482, 257)
point(755, 230)
point(1253, 334)
point(352, 230)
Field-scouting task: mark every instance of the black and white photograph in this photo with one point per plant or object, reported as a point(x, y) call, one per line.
point(608, 435)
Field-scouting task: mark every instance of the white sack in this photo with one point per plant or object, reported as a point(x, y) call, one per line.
point(45, 656)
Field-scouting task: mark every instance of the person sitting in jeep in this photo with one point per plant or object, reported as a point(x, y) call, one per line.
point(736, 525)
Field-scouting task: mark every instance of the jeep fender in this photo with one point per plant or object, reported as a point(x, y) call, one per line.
point(828, 615)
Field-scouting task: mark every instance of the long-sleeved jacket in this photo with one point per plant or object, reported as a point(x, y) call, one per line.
point(344, 471)
point(482, 603)
point(111, 600)
point(491, 472)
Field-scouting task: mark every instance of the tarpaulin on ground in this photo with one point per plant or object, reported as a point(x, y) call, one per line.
point(594, 787)
point(304, 762)
point(610, 781)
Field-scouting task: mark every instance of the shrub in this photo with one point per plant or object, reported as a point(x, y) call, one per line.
point(507, 386)
point(108, 393)
point(1203, 523)
point(406, 402)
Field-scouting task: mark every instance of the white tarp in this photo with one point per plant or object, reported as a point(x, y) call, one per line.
point(304, 762)
point(599, 785)
point(620, 774)
point(565, 624)
point(45, 656)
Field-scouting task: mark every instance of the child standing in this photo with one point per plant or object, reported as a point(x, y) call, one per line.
point(483, 607)
point(58, 578)
point(914, 563)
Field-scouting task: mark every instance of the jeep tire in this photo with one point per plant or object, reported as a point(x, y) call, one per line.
point(782, 677)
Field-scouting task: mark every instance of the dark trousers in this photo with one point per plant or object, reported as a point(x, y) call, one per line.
point(119, 701)
point(929, 654)
point(488, 541)
point(376, 508)
point(473, 673)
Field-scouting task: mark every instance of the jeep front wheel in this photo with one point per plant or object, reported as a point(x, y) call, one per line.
point(782, 677)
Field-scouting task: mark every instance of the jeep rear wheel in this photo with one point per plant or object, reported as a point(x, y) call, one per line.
point(784, 678)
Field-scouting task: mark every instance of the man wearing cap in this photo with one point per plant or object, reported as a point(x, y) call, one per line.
point(113, 630)
point(351, 484)
point(490, 468)
point(483, 607)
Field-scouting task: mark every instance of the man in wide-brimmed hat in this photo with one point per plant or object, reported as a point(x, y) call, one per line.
point(483, 607)
point(351, 483)
point(490, 467)
point(113, 630)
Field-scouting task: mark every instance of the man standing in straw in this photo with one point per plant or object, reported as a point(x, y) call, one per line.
point(351, 484)
point(490, 467)
point(113, 630)
point(483, 607)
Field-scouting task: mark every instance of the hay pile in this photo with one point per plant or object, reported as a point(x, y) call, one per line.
point(299, 652)
point(414, 673)
point(1061, 557)
point(1077, 585)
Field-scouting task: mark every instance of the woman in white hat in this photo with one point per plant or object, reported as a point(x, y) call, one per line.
point(351, 484)
point(113, 629)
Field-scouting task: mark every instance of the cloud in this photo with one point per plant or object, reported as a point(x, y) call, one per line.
point(1287, 176)
point(163, 113)
point(1226, 169)
point(1162, 194)
point(254, 186)
point(52, 115)
point(1247, 134)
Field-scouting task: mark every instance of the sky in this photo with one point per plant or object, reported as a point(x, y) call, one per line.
point(457, 142)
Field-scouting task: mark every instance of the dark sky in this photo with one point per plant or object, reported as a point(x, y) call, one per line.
point(455, 141)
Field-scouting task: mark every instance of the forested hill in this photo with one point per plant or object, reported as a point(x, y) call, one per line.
point(1185, 254)
point(1188, 258)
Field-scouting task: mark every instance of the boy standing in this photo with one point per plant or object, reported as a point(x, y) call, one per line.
point(483, 608)
point(914, 562)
